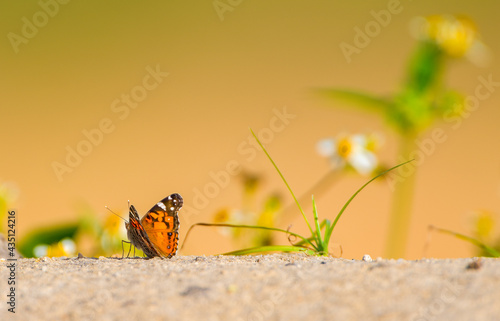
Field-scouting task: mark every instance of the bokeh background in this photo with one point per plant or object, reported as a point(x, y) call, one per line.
point(228, 72)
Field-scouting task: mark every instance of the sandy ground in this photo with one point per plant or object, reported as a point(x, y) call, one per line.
point(269, 287)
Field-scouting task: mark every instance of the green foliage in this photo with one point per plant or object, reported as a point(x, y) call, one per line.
point(425, 68)
point(421, 100)
point(486, 249)
point(484, 228)
point(88, 235)
point(360, 99)
point(320, 237)
point(47, 235)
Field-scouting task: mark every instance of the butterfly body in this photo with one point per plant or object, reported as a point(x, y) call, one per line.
point(157, 233)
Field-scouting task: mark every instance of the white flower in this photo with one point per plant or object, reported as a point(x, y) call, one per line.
point(9, 191)
point(354, 150)
point(230, 216)
point(455, 35)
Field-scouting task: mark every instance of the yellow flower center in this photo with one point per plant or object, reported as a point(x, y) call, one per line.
point(221, 216)
point(344, 148)
point(112, 224)
point(484, 224)
point(455, 35)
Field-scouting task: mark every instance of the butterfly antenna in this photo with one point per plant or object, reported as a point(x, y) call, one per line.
point(115, 213)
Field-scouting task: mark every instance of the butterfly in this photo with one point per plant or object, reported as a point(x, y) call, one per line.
point(157, 233)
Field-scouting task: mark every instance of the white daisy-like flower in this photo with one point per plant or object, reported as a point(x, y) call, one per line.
point(9, 191)
point(455, 35)
point(230, 216)
point(351, 150)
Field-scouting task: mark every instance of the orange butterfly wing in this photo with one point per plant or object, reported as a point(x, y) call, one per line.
point(161, 224)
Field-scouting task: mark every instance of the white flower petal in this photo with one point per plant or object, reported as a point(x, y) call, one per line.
point(69, 246)
point(479, 54)
point(40, 250)
point(238, 217)
point(364, 162)
point(326, 147)
point(359, 140)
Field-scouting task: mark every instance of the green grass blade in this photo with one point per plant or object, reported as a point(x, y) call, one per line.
point(270, 248)
point(469, 239)
point(328, 232)
point(284, 180)
point(357, 192)
point(305, 240)
point(319, 239)
point(311, 238)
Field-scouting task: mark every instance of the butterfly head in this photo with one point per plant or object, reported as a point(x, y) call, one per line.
point(133, 216)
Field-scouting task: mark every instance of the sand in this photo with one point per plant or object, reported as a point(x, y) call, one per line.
point(267, 287)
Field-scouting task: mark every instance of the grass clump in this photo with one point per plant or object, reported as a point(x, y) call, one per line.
point(320, 234)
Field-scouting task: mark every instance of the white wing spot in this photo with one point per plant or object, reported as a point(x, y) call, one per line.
point(172, 208)
point(162, 206)
point(169, 197)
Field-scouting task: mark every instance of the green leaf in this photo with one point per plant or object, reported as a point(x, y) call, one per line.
point(270, 248)
point(469, 239)
point(360, 99)
point(312, 237)
point(328, 232)
point(305, 240)
point(450, 104)
point(425, 67)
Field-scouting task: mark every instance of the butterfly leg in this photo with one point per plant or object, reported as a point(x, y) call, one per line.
point(123, 249)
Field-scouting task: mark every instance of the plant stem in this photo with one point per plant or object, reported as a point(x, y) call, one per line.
point(324, 184)
point(402, 202)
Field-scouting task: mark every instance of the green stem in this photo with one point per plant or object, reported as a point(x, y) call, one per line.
point(400, 218)
point(323, 185)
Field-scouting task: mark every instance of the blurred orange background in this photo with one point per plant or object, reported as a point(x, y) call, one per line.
point(229, 69)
